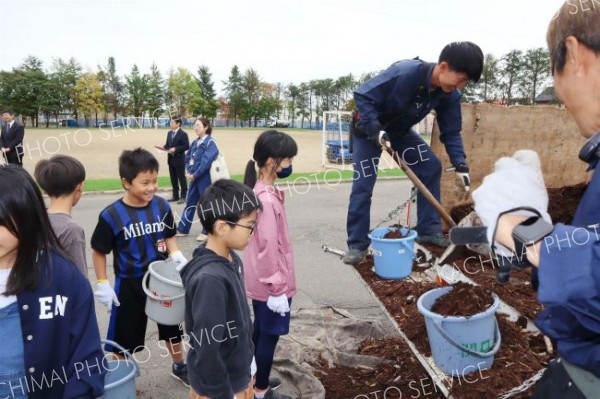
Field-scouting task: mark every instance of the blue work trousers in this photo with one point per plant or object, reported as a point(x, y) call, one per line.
point(418, 156)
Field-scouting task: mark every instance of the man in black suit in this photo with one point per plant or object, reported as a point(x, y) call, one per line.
point(11, 139)
point(177, 144)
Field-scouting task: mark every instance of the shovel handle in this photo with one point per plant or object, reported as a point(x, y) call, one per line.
point(421, 187)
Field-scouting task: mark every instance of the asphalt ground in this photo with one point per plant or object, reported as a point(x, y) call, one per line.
point(316, 216)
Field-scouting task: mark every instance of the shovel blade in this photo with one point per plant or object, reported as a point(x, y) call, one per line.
point(468, 235)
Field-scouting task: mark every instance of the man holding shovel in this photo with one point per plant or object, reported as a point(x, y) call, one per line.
point(567, 258)
point(388, 106)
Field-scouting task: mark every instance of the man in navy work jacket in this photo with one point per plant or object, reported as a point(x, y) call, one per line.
point(567, 257)
point(389, 105)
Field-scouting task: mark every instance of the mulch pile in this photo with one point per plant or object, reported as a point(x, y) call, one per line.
point(401, 377)
point(522, 354)
point(463, 300)
point(396, 233)
point(562, 203)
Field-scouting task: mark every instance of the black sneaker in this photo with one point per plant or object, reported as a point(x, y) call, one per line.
point(274, 383)
point(439, 240)
point(271, 394)
point(181, 374)
point(354, 256)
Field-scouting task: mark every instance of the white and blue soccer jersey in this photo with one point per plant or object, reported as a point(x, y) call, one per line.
point(135, 236)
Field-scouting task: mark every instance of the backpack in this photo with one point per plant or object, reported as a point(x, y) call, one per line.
point(218, 168)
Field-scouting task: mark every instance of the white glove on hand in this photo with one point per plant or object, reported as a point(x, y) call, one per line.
point(516, 182)
point(384, 140)
point(253, 367)
point(106, 295)
point(180, 260)
point(278, 304)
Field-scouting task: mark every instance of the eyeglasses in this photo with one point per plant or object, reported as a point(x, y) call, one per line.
point(251, 228)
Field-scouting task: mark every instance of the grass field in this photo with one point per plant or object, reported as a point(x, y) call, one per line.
point(331, 176)
point(99, 149)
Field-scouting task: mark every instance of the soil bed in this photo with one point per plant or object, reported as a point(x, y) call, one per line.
point(517, 360)
point(463, 300)
point(402, 374)
point(562, 203)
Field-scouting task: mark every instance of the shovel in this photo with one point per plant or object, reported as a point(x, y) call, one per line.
point(466, 223)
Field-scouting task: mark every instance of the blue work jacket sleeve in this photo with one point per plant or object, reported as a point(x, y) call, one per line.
point(569, 260)
point(204, 159)
point(449, 118)
point(390, 91)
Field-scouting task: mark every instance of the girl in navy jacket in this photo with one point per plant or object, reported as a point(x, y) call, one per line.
point(50, 343)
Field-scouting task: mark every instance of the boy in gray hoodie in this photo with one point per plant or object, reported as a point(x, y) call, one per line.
point(217, 318)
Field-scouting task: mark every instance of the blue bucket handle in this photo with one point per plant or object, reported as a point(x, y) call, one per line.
point(408, 247)
point(495, 349)
point(129, 357)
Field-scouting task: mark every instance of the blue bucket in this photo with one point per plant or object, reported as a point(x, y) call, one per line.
point(393, 257)
point(460, 345)
point(119, 382)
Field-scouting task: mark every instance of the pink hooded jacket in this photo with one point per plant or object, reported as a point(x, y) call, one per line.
point(268, 259)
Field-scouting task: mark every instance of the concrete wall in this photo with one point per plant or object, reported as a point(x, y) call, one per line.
point(490, 132)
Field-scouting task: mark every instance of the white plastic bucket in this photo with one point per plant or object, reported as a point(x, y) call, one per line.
point(165, 302)
point(119, 382)
point(460, 345)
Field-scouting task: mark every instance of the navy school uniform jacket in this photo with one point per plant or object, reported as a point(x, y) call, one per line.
point(217, 320)
point(394, 91)
point(63, 353)
point(569, 283)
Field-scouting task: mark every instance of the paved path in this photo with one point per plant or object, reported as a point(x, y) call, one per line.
point(316, 215)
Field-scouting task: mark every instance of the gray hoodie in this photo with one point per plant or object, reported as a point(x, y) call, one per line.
point(217, 320)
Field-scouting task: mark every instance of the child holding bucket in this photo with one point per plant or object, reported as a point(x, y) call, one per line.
point(138, 229)
point(268, 261)
point(215, 302)
point(48, 326)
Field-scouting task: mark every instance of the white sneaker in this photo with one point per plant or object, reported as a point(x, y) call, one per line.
point(202, 237)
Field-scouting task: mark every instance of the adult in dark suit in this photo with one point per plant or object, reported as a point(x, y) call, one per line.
point(177, 144)
point(11, 139)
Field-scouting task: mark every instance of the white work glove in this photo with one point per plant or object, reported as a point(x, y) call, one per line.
point(462, 172)
point(278, 304)
point(253, 367)
point(106, 295)
point(517, 181)
point(180, 260)
point(384, 140)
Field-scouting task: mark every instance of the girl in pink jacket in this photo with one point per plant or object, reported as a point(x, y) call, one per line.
point(268, 261)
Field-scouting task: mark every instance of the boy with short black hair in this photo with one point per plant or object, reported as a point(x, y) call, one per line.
point(62, 177)
point(139, 230)
point(215, 299)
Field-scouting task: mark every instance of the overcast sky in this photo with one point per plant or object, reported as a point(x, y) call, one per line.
point(288, 41)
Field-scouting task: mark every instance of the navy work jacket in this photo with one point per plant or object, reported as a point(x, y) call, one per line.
point(569, 276)
point(394, 92)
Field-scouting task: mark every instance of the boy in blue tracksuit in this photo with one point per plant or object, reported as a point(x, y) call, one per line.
point(567, 258)
point(389, 105)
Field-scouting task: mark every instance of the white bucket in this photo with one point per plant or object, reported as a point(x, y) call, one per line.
point(165, 302)
point(119, 382)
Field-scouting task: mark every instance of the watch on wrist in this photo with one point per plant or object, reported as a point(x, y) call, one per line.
point(529, 232)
